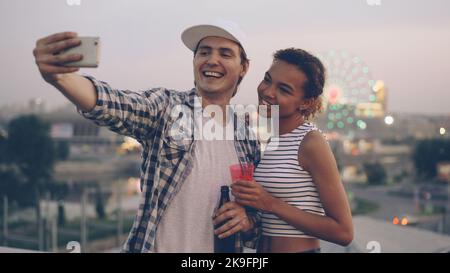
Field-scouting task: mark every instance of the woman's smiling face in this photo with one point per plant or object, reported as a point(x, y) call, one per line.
point(282, 85)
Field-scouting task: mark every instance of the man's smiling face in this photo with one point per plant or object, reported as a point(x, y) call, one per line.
point(217, 66)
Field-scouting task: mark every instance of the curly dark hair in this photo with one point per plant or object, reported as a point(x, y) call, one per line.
point(315, 74)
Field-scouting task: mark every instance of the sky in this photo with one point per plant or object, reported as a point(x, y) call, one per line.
point(404, 43)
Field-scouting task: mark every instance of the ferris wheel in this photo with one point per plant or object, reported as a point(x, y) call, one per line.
point(349, 87)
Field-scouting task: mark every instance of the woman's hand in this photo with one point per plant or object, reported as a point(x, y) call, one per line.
point(235, 217)
point(251, 193)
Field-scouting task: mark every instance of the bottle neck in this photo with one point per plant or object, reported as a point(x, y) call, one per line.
point(224, 196)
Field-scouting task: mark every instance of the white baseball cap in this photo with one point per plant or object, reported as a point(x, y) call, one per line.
point(218, 28)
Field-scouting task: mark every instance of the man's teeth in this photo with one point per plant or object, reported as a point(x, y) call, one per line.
point(212, 74)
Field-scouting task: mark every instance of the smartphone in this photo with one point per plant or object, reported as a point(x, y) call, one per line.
point(89, 48)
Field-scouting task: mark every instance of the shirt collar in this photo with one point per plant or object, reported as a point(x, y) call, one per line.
point(192, 97)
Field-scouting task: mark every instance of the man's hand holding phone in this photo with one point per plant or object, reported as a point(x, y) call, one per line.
point(63, 53)
point(58, 56)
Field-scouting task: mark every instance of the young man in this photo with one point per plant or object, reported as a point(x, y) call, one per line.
point(180, 180)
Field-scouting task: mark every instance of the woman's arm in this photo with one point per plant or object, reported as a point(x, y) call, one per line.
point(316, 157)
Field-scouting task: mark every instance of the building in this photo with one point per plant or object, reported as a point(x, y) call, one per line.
point(84, 137)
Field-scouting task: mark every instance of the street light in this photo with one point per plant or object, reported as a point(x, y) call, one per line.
point(389, 120)
point(442, 131)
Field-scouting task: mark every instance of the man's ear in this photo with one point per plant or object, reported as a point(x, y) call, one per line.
point(245, 67)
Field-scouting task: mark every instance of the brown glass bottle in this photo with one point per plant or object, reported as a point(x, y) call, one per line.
point(224, 245)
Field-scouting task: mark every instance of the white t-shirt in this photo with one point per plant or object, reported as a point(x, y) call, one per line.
point(187, 226)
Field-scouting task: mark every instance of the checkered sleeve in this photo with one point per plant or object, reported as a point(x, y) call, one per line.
point(251, 238)
point(126, 112)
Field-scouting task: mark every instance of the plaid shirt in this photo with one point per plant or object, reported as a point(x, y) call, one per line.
point(166, 162)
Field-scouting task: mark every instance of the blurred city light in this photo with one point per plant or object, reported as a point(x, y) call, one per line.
point(129, 144)
point(389, 120)
point(395, 221)
point(442, 131)
point(361, 124)
point(404, 221)
point(133, 186)
point(379, 85)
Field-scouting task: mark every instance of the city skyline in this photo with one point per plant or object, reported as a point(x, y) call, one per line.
point(403, 43)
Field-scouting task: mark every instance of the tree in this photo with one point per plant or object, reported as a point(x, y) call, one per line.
point(3, 148)
point(428, 153)
point(99, 204)
point(30, 149)
point(376, 174)
point(62, 150)
point(12, 184)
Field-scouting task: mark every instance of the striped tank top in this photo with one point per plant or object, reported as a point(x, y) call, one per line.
point(281, 175)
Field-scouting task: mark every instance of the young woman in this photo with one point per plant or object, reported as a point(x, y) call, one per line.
point(297, 190)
